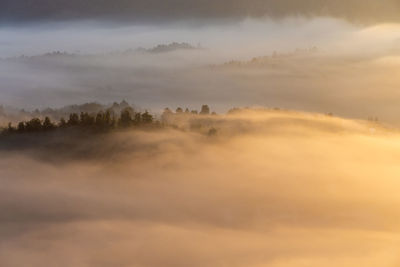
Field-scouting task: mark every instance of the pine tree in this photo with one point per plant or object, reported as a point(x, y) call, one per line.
point(73, 119)
point(147, 117)
point(21, 127)
point(125, 119)
point(205, 110)
point(47, 124)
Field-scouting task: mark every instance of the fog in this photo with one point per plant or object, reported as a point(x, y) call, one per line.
point(303, 171)
point(320, 65)
point(271, 188)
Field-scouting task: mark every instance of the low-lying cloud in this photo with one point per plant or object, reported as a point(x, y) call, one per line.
point(352, 73)
point(352, 85)
point(271, 188)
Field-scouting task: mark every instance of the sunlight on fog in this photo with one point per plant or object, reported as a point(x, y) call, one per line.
point(272, 188)
point(292, 161)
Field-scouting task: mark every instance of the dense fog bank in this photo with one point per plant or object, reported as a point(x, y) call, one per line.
point(269, 188)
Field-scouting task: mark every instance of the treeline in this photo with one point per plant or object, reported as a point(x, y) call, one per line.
point(100, 121)
point(205, 110)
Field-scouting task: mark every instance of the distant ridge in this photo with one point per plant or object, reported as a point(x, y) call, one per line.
point(158, 49)
point(164, 48)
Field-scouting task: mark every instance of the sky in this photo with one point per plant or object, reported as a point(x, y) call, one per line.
point(158, 11)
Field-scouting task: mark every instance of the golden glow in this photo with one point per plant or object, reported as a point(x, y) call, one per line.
point(273, 188)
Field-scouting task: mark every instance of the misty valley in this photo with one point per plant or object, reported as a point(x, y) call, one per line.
point(124, 187)
point(213, 133)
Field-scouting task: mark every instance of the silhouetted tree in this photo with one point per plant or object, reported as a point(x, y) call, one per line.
point(147, 117)
point(125, 119)
point(47, 124)
point(21, 127)
point(73, 119)
point(179, 110)
point(187, 110)
point(205, 110)
point(124, 104)
point(167, 111)
point(10, 128)
point(138, 118)
point(109, 119)
point(34, 125)
point(62, 123)
point(166, 114)
point(86, 119)
point(103, 120)
point(100, 122)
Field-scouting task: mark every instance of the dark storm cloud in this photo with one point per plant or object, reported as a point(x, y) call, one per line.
point(170, 10)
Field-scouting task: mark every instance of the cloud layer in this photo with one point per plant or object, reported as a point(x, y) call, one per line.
point(154, 11)
point(270, 189)
point(335, 78)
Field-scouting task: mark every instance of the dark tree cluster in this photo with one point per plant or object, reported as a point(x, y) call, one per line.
point(100, 121)
point(205, 110)
point(33, 125)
